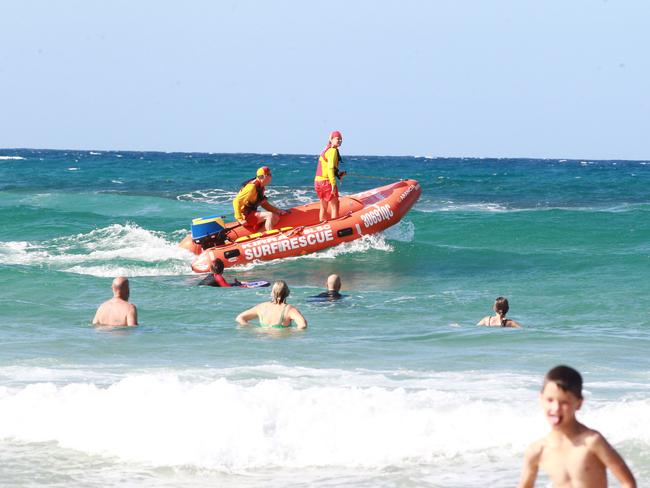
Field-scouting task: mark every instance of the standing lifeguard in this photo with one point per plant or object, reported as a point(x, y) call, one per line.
point(327, 172)
point(250, 197)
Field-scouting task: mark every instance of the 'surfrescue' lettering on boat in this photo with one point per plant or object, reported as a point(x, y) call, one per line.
point(283, 243)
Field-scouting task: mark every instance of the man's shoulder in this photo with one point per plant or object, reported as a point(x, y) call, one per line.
point(105, 304)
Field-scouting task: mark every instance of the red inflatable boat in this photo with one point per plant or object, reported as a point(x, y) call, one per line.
point(300, 232)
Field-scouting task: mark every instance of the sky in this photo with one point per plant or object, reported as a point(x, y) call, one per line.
point(440, 78)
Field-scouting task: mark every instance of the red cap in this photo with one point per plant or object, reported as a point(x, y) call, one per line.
point(264, 170)
point(335, 134)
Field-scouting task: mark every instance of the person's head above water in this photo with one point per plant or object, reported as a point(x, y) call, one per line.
point(120, 288)
point(333, 283)
point(501, 308)
point(279, 292)
point(217, 266)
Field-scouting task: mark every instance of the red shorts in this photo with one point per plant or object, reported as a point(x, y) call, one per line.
point(324, 190)
point(252, 221)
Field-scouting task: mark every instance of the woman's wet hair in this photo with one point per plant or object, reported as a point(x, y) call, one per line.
point(217, 266)
point(501, 307)
point(566, 378)
point(279, 292)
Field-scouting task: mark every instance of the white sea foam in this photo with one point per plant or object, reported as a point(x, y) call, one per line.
point(7, 158)
point(117, 249)
point(73, 169)
point(297, 418)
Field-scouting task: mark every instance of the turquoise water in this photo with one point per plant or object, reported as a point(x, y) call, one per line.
point(393, 386)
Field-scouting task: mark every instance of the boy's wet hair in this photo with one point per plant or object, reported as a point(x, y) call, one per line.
point(567, 378)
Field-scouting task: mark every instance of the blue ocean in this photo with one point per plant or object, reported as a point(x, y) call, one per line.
point(393, 386)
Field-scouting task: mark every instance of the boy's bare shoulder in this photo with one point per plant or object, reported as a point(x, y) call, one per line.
point(592, 438)
point(535, 450)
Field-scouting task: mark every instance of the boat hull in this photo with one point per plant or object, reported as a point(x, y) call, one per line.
point(300, 233)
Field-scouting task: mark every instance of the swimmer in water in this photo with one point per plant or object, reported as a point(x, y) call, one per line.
point(333, 287)
point(276, 314)
point(501, 308)
point(117, 311)
point(215, 277)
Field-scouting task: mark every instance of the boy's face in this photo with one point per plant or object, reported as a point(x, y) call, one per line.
point(558, 405)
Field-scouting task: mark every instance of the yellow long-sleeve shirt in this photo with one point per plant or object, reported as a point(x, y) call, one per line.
point(328, 163)
point(247, 200)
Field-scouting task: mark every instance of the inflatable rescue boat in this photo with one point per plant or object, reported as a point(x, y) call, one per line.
point(300, 232)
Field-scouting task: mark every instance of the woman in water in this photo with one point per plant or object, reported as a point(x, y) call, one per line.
point(276, 314)
point(501, 308)
point(327, 171)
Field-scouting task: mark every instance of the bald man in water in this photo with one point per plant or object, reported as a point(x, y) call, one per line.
point(117, 311)
point(333, 287)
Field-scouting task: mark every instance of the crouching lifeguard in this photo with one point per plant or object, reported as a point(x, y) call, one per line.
point(250, 196)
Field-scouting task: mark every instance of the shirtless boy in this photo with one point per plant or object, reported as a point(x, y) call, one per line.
point(573, 455)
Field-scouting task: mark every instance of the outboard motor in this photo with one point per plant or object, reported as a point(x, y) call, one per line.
point(209, 231)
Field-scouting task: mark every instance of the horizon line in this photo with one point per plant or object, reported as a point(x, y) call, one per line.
point(272, 154)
